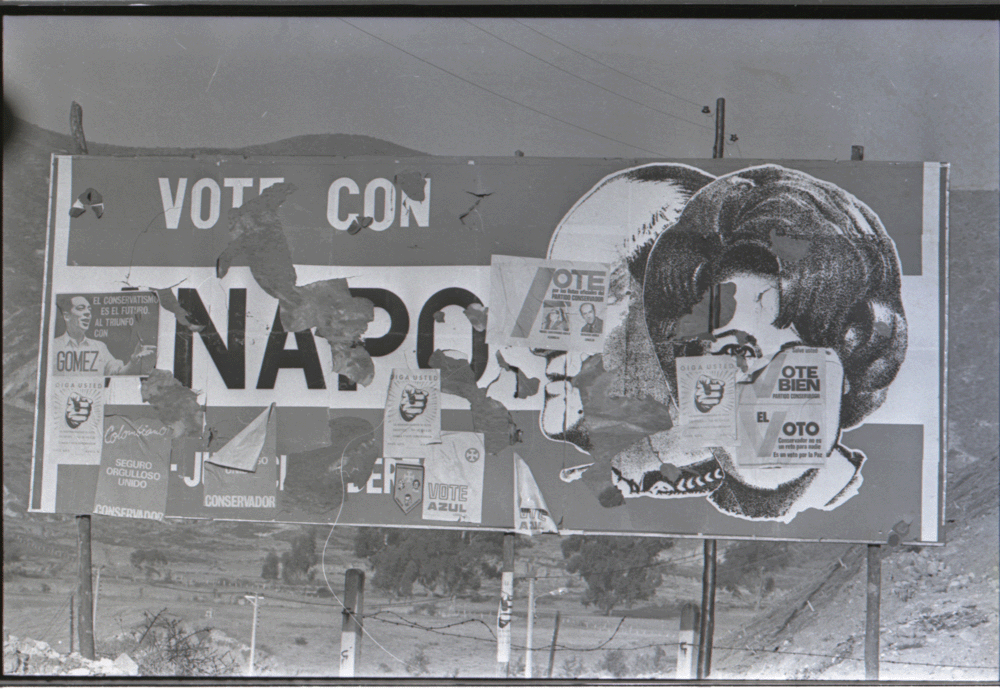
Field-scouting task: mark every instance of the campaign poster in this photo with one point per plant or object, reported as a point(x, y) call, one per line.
point(531, 514)
point(133, 477)
point(707, 398)
point(453, 479)
point(76, 419)
point(557, 305)
point(784, 415)
point(241, 494)
point(412, 413)
point(104, 334)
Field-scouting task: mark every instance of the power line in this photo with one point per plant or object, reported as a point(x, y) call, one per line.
point(576, 76)
point(656, 88)
point(500, 95)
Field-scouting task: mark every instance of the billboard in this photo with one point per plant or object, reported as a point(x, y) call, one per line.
point(711, 348)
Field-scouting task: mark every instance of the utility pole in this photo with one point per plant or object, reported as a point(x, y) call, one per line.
point(552, 649)
point(707, 626)
point(86, 584)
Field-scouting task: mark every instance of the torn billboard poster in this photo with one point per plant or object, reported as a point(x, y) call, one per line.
point(763, 356)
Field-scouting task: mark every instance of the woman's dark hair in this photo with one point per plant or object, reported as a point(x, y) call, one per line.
point(836, 268)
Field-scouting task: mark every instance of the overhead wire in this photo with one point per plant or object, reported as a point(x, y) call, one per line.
point(500, 95)
point(577, 76)
point(613, 69)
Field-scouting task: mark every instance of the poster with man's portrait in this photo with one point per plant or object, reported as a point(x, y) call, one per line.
point(104, 334)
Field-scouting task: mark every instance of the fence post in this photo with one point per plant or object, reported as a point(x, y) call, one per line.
point(506, 606)
point(552, 649)
point(528, 659)
point(350, 637)
point(686, 656)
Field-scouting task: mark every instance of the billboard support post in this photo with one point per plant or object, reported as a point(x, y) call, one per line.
point(707, 627)
point(350, 637)
point(72, 628)
point(506, 605)
point(872, 611)
point(86, 600)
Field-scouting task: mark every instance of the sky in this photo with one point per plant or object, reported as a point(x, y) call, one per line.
point(794, 89)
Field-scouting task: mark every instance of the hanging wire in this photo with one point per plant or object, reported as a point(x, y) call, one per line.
point(576, 76)
point(602, 64)
point(500, 95)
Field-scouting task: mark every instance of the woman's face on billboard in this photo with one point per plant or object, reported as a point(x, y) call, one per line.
point(753, 336)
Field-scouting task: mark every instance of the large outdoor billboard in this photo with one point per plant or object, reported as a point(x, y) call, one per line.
point(735, 349)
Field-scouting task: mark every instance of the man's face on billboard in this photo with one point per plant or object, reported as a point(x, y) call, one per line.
point(78, 317)
point(588, 313)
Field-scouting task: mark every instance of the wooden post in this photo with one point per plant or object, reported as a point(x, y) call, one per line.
point(85, 610)
point(76, 128)
point(506, 606)
point(707, 624)
point(528, 660)
point(253, 634)
point(872, 611)
point(97, 595)
point(686, 657)
point(720, 128)
point(72, 628)
point(350, 636)
point(707, 627)
point(552, 649)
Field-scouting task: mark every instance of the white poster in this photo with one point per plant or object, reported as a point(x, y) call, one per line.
point(706, 397)
point(557, 305)
point(412, 413)
point(75, 425)
point(453, 479)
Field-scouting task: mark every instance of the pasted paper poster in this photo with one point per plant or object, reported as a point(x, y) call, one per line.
point(706, 397)
point(242, 451)
point(531, 515)
point(134, 463)
point(412, 413)
point(557, 305)
point(453, 480)
point(238, 494)
point(784, 415)
point(75, 422)
point(104, 334)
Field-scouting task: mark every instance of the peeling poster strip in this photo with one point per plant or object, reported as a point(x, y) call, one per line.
point(489, 417)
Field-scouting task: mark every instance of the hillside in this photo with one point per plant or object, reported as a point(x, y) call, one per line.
point(939, 605)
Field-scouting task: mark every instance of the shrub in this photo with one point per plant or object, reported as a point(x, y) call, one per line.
point(573, 667)
point(416, 665)
point(614, 662)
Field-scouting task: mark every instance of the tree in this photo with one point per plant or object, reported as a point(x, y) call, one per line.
point(296, 563)
point(751, 565)
point(148, 559)
point(269, 571)
point(448, 561)
point(616, 569)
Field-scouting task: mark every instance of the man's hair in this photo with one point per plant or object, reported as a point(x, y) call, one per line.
point(65, 303)
point(836, 267)
point(588, 304)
